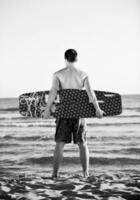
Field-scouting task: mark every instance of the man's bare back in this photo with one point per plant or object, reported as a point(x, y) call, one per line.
point(69, 78)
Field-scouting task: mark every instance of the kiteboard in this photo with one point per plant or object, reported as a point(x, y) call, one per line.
point(69, 103)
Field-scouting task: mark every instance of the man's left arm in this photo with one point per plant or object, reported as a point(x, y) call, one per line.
point(52, 96)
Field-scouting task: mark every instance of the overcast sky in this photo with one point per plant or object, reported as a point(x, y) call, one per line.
point(34, 35)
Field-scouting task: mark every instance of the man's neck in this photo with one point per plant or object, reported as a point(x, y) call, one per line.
point(70, 66)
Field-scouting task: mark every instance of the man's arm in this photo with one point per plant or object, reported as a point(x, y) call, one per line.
point(52, 95)
point(92, 98)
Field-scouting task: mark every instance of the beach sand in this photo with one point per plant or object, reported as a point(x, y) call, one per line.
point(101, 185)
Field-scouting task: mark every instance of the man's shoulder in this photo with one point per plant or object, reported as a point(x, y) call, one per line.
point(63, 71)
point(60, 71)
point(82, 73)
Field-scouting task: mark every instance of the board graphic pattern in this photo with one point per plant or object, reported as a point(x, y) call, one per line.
point(70, 103)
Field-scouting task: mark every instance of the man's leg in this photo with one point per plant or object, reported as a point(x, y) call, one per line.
point(58, 155)
point(84, 156)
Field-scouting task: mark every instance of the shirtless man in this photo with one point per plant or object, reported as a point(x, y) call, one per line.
point(71, 77)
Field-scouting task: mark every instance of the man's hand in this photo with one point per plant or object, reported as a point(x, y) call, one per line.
point(46, 114)
point(99, 113)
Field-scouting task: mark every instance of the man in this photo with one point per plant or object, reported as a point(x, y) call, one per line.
point(71, 77)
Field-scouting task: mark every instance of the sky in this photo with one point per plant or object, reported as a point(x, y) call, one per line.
point(34, 35)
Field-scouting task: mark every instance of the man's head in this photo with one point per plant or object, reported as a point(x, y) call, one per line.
point(71, 55)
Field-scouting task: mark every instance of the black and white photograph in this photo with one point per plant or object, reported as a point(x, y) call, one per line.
point(70, 99)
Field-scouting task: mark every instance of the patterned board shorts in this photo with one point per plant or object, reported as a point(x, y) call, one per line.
point(70, 129)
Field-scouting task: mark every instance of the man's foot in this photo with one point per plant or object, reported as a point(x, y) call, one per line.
point(54, 176)
point(85, 174)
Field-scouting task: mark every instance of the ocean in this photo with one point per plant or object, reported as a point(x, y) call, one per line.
point(27, 144)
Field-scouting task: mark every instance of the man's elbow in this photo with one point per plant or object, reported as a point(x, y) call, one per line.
point(53, 92)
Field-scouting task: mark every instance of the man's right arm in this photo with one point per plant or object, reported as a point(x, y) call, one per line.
point(92, 98)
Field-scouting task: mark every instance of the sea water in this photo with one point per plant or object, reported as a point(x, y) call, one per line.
point(27, 144)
